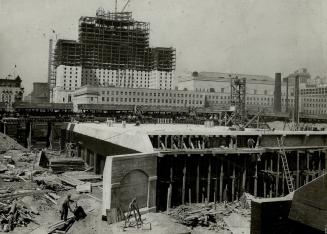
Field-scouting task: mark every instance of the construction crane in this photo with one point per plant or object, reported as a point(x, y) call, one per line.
point(128, 1)
point(124, 7)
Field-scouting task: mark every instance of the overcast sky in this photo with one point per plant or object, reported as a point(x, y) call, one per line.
point(238, 36)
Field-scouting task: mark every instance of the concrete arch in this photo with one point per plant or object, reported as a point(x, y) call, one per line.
point(133, 184)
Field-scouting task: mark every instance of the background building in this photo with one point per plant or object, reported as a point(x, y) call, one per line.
point(112, 50)
point(40, 93)
point(11, 90)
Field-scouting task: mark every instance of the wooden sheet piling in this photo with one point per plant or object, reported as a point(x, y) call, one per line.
point(209, 179)
point(221, 180)
point(297, 169)
point(184, 182)
point(277, 176)
point(198, 181)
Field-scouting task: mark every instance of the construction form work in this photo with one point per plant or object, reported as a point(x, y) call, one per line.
point(166, 165)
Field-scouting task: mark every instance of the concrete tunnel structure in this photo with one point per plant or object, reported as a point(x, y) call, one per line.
point(198, 162)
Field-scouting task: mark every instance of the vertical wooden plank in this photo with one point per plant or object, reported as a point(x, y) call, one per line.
point(264, 182)
point(233, 183)
point(244, 176)
point(184, 182)
point(297, 169)
point(189, 196)
point(277, 176)
point(198, 180)
point(170, 185)
point(159, 146)
point(216, 183)
point(271, 185)
point(166, 141)
point(283, 183)
point(319, 163)
point(168, 199)
point(308, 168)
point(256, 179)
point(209, 179)
point(221, 180)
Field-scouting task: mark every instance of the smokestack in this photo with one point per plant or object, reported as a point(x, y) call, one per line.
point(278, 92)
point(297, 102)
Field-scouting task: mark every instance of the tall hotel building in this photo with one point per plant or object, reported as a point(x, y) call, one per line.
point(112, 51)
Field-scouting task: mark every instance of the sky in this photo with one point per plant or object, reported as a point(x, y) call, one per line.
point(234, 36)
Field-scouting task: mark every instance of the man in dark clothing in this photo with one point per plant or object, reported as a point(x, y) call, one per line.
point(251, 143)
point(65, 207)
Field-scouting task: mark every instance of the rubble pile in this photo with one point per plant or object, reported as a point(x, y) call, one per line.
point(210, 216)
point(15, 215)
point(31, 191)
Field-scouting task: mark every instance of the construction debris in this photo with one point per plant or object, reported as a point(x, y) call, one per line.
point(210, 216)
point(60, 165)
point(84, 188)
point(14, 215)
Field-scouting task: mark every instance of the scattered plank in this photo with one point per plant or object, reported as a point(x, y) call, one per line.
point(50, 199)
point(71, 181)
point(24, 194)
point(95, 198)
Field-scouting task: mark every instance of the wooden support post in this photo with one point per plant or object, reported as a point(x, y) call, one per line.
point(297, 169)
point(189, 196)
point(216, 185)
point(29, 141)
point(271, 185)
point(168, 199)
point(184, 182)
point(159, 145)
point(233, 183)
point(264, 182)
point(308, 168)
point(198, 181)
point(170, 187)
point(256, 179)
point(221, 181)
point(277, 177)
point(166, 142)
point(50, 129)
point(244, 175)
point(283, 187)
point(190, 142)
point(319, 163)
point(209, 179)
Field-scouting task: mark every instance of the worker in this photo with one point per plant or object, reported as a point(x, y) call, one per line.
point(251, 143)
point(65, 207)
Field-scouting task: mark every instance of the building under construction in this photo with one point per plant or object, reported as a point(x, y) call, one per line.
point(113, 50)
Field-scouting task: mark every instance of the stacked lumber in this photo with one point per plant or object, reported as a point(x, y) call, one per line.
point(13, 215)
point(59, 165)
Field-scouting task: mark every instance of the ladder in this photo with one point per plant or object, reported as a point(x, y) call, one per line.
point(289, 178)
